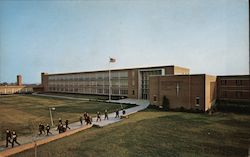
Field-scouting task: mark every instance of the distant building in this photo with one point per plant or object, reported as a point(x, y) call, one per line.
point(18, 88)
point(19, 80)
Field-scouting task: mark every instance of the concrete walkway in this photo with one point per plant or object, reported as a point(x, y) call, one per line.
point(27, 142)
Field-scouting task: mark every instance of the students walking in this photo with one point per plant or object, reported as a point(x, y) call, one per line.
point(14, 139)
point(106, 115)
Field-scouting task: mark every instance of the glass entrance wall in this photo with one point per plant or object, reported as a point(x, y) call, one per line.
point(145, 81)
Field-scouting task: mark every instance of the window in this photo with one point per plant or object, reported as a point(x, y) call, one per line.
point(238, 94)
point(133, 92)
point(115, 91)
point(225, 94)
point(124, 74)
point(124, 91)
point(177, 89)
point(223, 82)
point(197, 101)
point(155, 98)
point(239, 82)
point(100, 91)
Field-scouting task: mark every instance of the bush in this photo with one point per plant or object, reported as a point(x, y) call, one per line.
point(150, 106)
point(165, 103)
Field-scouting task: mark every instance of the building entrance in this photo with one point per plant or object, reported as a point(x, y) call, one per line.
point(144, 80)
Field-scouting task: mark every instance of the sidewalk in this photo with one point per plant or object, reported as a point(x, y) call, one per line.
point(27, 141)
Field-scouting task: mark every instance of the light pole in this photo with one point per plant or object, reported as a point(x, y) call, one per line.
point(109, 83)
point(111, 60)
point(50, 113)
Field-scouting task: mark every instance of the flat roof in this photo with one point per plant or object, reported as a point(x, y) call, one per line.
point(234, 76)
point(176, 75)
point(148, 67)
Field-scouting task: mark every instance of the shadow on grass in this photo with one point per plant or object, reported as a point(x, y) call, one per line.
point(236, 123)
point(223, 149)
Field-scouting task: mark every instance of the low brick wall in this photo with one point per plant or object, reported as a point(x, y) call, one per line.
point(18, 149)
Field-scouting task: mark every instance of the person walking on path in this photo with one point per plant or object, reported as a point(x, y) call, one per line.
point(88, 119)
point(85, 116)
point(43, 128)
point(8, 137)
point(67, 124)
point(81, 120)
point(48, 130)
point(61, 128)
point(40, 129)
point(106, 115)
point(98, 116)
point(117, 114)
point(60, 120)
point(14, 139)
point(123, 112)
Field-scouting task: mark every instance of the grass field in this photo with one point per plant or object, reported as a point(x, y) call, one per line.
point(155, 133)
point(19, 112)
point(97, 97)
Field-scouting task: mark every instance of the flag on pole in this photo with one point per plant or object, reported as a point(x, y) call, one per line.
point(111, 60)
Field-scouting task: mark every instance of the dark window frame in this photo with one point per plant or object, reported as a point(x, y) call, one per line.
point(239, 82)
point(238, 94)
point(155, 98)
point(223, 82)
point(197, 101)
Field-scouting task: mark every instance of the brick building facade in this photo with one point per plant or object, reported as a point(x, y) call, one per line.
point(233, 88)
point(187, 91)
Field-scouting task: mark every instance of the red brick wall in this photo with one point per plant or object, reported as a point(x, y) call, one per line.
point(233, 88)
point(190, 87)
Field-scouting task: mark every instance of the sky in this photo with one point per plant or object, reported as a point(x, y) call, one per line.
point(209, 37)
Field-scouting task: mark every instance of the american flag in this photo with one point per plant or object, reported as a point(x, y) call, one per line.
point(111, 60)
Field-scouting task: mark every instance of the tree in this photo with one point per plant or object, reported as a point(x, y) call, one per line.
point(165, 103)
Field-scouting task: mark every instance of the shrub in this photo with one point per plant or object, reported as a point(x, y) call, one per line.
point(165, 103)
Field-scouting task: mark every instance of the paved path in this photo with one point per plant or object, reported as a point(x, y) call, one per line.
point(75, 127)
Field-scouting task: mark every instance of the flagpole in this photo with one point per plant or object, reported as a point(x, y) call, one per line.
point(109, 81)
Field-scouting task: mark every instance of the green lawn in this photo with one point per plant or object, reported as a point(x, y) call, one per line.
point(86, 96)
point(154, 133)
point(20, 112)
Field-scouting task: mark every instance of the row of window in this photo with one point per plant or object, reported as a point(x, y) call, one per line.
point(92, 83)
point(90, 90)
point(87, 79)
point(237, 94)
point(237, 82)
point(90, 76)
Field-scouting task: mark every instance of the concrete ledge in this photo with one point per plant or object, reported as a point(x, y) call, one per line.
point(31, 145)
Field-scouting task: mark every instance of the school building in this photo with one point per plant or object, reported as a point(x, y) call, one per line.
point(132, 83)
point(196, 91)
